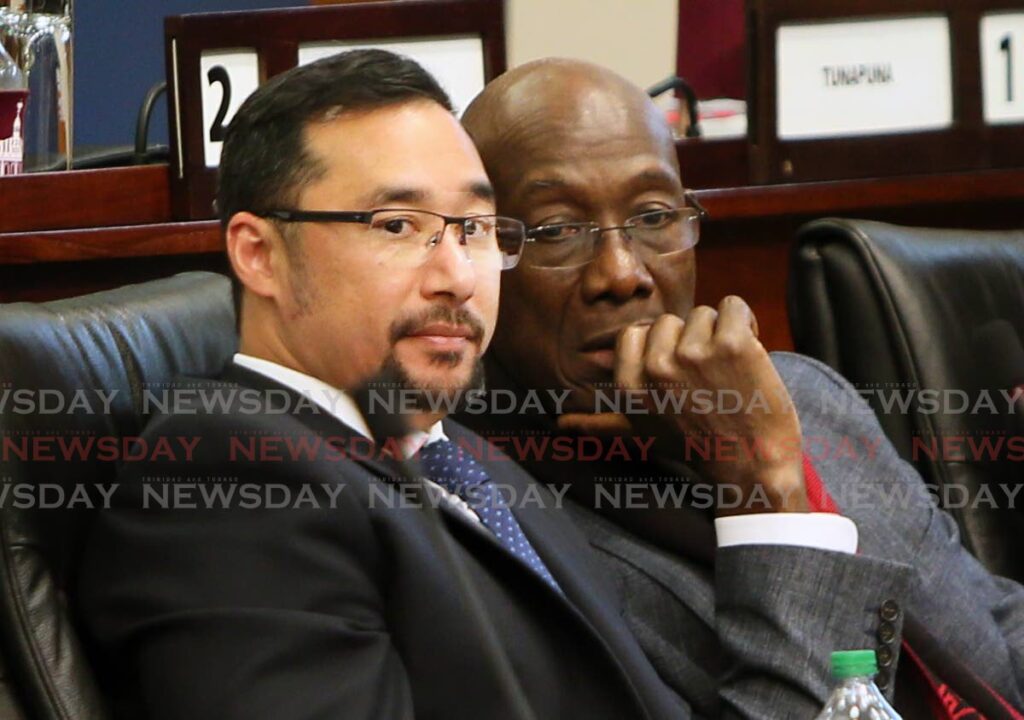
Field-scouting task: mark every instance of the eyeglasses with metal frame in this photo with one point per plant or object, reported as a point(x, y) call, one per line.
point(409, 233)
point(655, 232)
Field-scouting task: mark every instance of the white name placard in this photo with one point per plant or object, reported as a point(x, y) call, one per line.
point(863, 77)
point(227, 77)
point(1002, 67)
point(457, 62)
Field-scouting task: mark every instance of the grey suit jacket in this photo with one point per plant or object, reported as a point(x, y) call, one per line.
point(701, 615)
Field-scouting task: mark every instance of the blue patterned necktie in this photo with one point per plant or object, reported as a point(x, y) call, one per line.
point(452, 468)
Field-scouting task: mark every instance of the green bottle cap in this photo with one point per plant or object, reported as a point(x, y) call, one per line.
point(853, 663)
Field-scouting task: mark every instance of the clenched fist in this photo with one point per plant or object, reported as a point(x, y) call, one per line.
point(685, 369)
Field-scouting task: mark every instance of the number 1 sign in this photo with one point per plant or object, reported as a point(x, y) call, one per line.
point(1002, 67)
point(870, 88)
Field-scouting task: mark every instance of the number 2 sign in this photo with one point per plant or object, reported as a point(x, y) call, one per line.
point(216, 60)
point(1002, 67)
point(227, 78)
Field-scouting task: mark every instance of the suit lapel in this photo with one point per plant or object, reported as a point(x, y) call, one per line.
point(552, 535)
point(382, 466)
point(320, 421)
point(564, 551)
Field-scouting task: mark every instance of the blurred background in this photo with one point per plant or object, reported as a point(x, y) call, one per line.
point(119, 49)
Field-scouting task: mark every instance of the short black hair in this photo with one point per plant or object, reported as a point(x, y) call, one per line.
point(264, 161)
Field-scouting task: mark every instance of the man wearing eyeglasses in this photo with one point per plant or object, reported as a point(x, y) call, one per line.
point(360, 226)
point(724, 538)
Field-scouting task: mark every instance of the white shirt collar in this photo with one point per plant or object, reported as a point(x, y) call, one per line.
point(337, 402)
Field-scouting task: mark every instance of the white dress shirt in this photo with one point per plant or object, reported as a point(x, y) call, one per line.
point(822, 531)
point(341, 405)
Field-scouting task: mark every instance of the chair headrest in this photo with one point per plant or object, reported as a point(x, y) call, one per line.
point(77, 370)
point(71, 372)
point(912, 281)
point(118, 343)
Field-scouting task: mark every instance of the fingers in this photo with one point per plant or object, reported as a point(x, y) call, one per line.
point(659, 362)
point(736, 321)
point(629, 356)
point(599, 425)
point(728, 333)
point(695, 343)
point(654, 353)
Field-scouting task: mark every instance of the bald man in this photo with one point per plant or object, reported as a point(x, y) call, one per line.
point(694, 485)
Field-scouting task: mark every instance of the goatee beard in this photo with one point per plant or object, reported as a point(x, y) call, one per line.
point(420, 397)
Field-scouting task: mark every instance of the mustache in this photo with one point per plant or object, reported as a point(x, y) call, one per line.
point(457, 316)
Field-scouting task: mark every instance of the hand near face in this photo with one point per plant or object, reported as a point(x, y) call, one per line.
point(733, 406)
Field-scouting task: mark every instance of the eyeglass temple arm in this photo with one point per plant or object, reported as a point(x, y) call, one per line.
point(319, 216)
point(692, 201)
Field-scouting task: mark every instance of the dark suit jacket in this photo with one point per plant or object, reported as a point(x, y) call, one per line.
point(342, 606)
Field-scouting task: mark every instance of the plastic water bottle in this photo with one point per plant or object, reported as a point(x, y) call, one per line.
point(856, 696)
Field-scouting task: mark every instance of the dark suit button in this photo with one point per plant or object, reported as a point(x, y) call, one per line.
point(885, 655)
point(886, 632)
point(882, 679)
point(890, 610)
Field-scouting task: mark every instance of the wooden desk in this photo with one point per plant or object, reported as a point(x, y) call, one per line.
point(68, 233)
point(63, 234)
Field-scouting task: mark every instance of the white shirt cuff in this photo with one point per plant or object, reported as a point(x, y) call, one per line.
point(821, 531)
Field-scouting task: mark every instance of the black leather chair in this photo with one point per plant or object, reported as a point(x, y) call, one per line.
point(896, 310)
point(121, 342)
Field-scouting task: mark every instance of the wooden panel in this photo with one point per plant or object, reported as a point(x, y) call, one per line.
point(85, 198)
point(846, 196)
point(751, 262)
point(744, 247)
point(968, 192)
point(116, 242)
point(714, 163)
